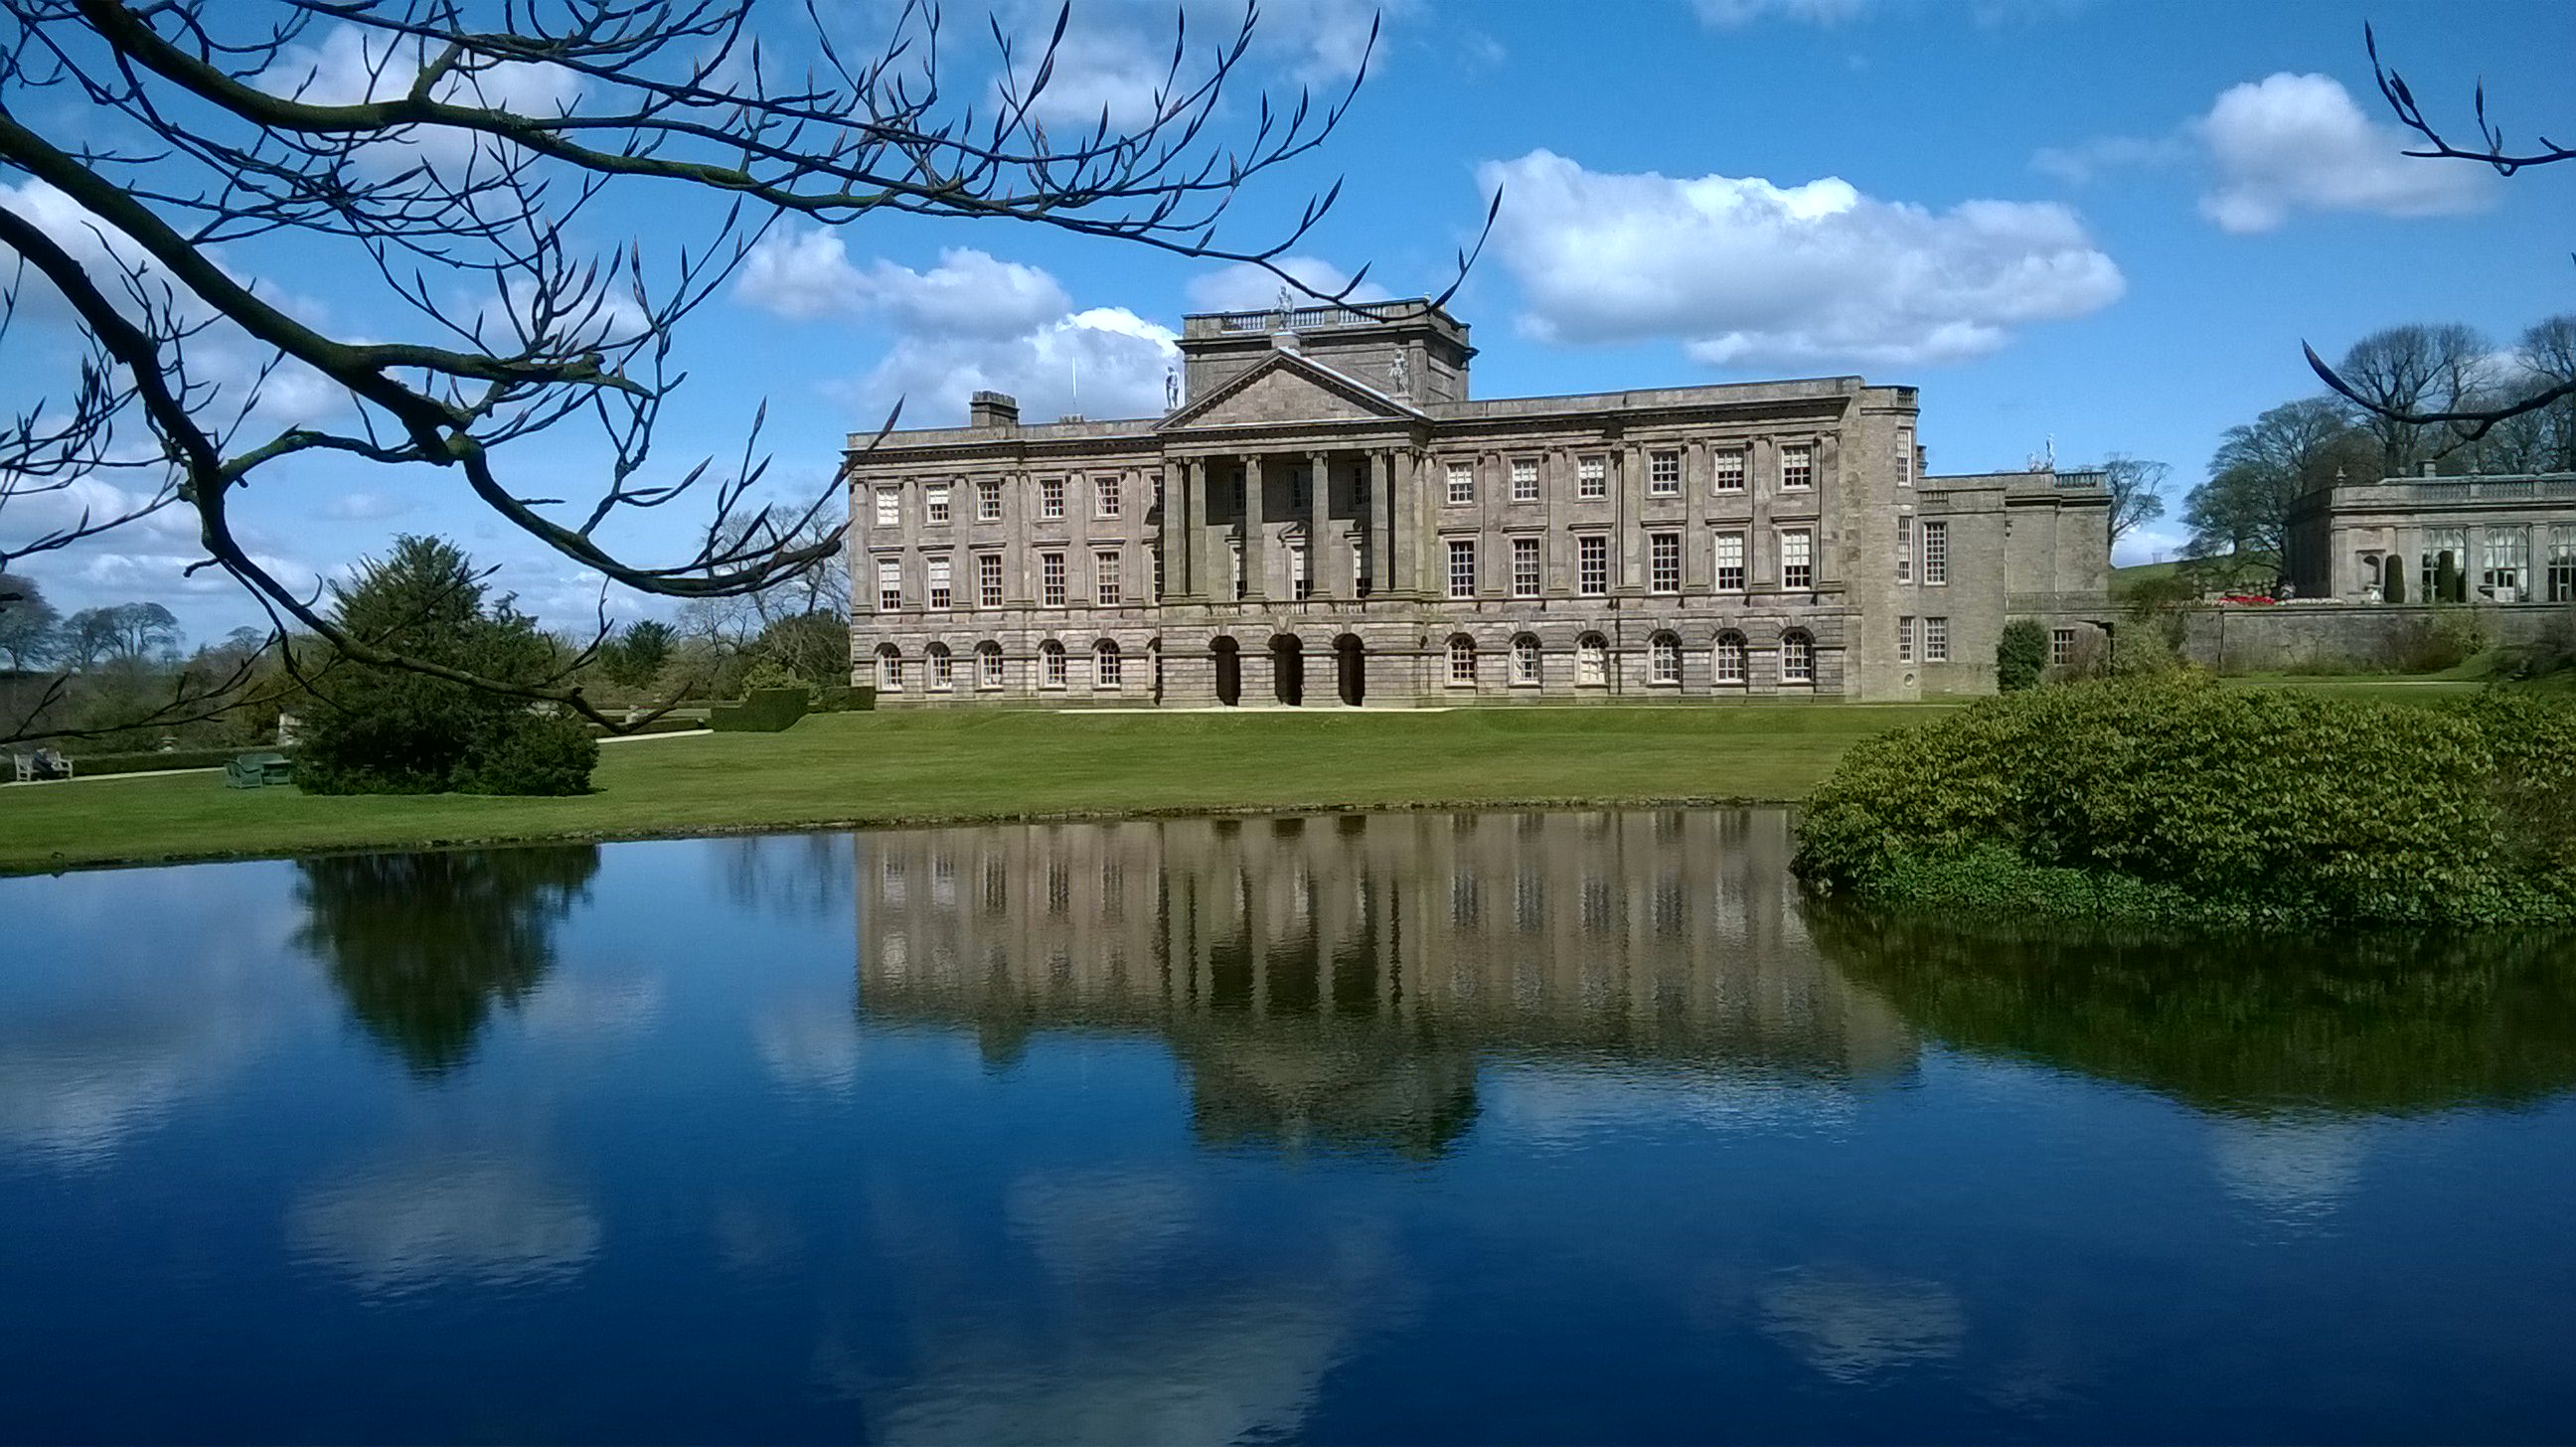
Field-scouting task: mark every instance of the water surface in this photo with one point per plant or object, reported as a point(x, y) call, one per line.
point(1486, 1128)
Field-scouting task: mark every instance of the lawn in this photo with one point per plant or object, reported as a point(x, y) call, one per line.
point(835, 770)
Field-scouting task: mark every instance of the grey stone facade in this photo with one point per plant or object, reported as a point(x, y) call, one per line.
point(1325, 517)
point(2512, 539)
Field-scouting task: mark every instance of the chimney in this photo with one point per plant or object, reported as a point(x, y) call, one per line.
point(993, 409)
point(2428, 469)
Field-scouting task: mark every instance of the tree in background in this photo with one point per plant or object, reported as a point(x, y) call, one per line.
point(27, 624)
point(2263, 466)
point(2137, 491)
point(2021, 655)
point(438, 724)
point(119, 633)
point(2399, 374)
point(635, 658)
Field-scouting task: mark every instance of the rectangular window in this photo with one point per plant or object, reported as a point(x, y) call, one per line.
point(1462, 568)
point(1462, 483)
point(1234, 559)
point(1592, 477)
point(1524, 479)
point(943, 669)
point(1798, 560)
point(1360, 581)
point(1051, 579)
point(988, 500)
point(1904, 549)
point(2508, 563)
point(1104, 494)
point(1664, 563)
point(1592, 565)
point(1936, 554)
point(1663, 474)
point(1728, 468)
point(989, 666)
point(1905, 640)
point(1158, 572)
point(1300, 582)
point(988, 580)
point(1051, 497)
point(1730, 562)
point(1797, 467)
point(1904, 459)
point(937, 496)
point(1936, 640)
point(889, 584)
point(1051, 665)
point(1104, 576)
point(1525, 582)
point(889, 506)
point(939, 583)
point(2562, 563)
point(2061, 647)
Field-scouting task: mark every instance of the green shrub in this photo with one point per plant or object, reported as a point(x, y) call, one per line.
point(2021, 655)
point(845, 698)
point(2173, 799)
point(2449, 585)
point(99, 765)
point(763, 711)
point(540, 754)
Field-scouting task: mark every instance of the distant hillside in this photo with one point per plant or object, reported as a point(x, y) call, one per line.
point(2241, 570)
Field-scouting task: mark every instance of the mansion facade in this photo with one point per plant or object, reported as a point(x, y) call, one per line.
point(1324, 516)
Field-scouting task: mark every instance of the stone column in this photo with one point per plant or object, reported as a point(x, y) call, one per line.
point(1178, 534)
point(1255, 561)
point(1377, 518)
point(1405, 525)
point(1627, 547)
point(1321, 545)
point(1019, 559)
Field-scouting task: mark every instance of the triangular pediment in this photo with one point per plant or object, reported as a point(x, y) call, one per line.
point(1288, 388)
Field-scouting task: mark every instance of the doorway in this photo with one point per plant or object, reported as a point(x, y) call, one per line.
point(1350, 669)
point(1229, 673)
point(1288, 669)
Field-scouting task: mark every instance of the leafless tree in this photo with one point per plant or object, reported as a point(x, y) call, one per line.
point(2469, 420)
point(457, 159)
point(2400, 373)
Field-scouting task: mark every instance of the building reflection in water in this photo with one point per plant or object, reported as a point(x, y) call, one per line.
point(1335, 981)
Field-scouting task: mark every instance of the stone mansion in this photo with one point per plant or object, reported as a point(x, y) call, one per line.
point(1324, 516)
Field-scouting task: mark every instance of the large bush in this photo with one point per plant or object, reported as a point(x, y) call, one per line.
point(395, 731)
point(2021, 655)
point(2176, 799)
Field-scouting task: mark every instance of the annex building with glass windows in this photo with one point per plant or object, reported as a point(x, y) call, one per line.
point(2509, 539)
point(1326, 517)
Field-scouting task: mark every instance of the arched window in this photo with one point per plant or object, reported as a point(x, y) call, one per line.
point(988, 664)
point(1462, 660)
point(943, 667)
point(1592, 661)
point(1525, 660)
point(889, 668)
point(1050, 664)
point(1105, 669)
point(1797, 657)
point(1664, 659)
point(1730, 657)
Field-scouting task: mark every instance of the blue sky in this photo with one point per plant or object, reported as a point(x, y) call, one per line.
point(2103, 221)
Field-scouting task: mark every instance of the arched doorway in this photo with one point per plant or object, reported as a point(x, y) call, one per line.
point(1229, 672)
point(1288, 669)
point(1350, 669)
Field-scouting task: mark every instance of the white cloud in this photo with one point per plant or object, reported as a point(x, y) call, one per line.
point(423, 1223)
point(1245, 287)
point(804, 274)
point(1105, 362)
point(1752, 274)
point(1735, 14)
point(365, 507)
point(2290, 143)
point(2083, 162)
point(352, 65)
point(1116, 53)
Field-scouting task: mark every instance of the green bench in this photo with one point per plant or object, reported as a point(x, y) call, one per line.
point(253, 771)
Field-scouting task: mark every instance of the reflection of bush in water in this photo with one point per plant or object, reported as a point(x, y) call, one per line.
point(421, 944)
point(2368, 1021)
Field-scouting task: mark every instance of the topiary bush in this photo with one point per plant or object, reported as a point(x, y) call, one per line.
point(2021, 655)
point(2175, 799)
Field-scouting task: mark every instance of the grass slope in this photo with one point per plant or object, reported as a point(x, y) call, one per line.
point(883, 768)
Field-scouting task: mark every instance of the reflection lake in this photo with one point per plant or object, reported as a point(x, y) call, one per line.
point(1502, 1127)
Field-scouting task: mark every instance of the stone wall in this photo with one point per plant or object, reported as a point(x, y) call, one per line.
point(2291, 638)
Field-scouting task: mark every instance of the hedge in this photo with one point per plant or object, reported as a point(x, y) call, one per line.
point(763, 711)
point(2177, 800)
point(93, 765)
